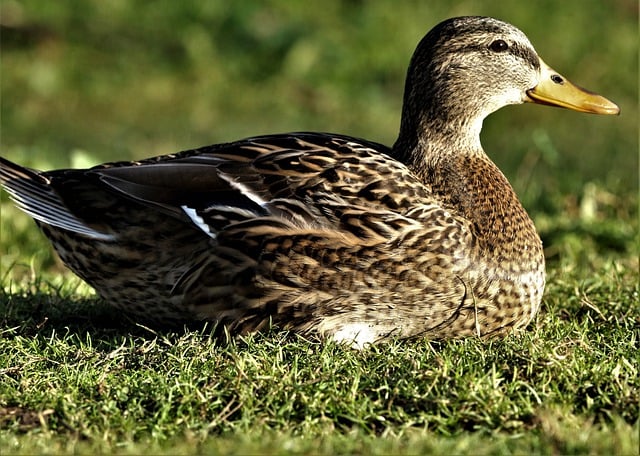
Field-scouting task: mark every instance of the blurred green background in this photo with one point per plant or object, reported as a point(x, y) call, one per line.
point(90, 81)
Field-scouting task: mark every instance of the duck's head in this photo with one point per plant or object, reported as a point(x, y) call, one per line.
point(465, 68)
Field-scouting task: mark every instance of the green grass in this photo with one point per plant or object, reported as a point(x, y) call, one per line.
point(76, 378)
point(83, 82)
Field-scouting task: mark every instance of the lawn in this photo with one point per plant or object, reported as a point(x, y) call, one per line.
point(85, 82)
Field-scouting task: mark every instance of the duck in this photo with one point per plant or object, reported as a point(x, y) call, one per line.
point(326, 234)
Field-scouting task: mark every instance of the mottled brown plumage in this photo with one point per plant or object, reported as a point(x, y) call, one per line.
point(326, 233)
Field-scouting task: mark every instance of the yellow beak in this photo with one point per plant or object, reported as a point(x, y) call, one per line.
point(555, 90)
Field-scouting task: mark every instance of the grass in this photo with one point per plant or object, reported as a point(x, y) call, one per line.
point(84, 83)
point(75, 378)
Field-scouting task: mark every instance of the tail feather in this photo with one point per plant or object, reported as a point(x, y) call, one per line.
point(32, 192)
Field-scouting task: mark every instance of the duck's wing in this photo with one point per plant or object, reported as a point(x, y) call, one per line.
point(302, 180)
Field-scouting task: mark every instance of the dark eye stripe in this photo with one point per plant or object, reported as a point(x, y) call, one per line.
point(525, 54)
point(522, 52)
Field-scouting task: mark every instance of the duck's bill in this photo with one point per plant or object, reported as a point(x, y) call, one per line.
point(555, 90)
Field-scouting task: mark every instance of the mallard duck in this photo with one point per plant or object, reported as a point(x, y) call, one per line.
point(325, 233)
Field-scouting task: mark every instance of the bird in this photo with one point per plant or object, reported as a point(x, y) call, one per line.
point(326, 234)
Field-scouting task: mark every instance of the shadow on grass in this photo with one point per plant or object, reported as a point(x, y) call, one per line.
point(42, 310)
point(45, 313)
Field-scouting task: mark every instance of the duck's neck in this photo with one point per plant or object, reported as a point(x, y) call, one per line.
point(448, 133)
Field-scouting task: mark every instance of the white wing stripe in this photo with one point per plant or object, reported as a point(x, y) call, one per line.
point(246, 191)
point(198, 221)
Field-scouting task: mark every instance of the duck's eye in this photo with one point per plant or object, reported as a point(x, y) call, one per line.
point(499, 46)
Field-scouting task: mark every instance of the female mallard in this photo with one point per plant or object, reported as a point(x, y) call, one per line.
point(326, 233)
